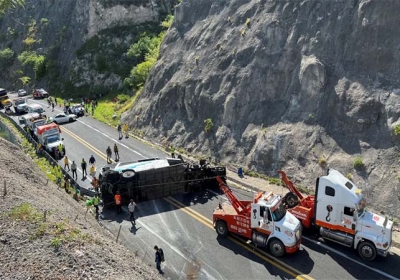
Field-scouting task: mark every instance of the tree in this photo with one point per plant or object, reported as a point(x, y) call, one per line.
point(10, 4)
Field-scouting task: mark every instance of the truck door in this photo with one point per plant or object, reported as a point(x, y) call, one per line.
point(347, 218)
point(255, 215)
point(327, 209)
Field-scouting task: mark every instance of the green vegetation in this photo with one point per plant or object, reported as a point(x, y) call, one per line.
point(349, 176)
point(10, 4)
point(149, 48)
point(6, 57)
point(12, 32)
point(25, 212)
point(44, 21)
point(37, 62)
point(322, 161)
point(396, 130)
point(25, 80)
point(209, 125)
point(247, 23)
point(56, 242)
point(243, 32)
point(358, 163)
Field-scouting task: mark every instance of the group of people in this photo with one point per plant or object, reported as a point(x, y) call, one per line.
point(52, 103)
point(125, 128)
point(109, 153)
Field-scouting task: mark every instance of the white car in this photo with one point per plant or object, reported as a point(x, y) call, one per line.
point(22, 92)
point(63, 118)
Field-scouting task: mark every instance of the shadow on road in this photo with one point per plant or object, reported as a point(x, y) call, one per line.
point(300, 260)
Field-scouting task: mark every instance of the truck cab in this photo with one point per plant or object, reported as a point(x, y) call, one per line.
point(49, 136)
point(4, 99)
point(341, 214)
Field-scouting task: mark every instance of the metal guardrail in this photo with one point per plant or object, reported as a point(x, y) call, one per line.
point(49, 158)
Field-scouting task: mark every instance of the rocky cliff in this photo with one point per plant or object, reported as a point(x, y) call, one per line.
point(297, 85)
point(83, 43)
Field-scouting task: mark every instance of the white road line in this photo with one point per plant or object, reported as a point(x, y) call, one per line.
point(353, 260)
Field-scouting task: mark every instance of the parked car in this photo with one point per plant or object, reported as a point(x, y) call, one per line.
point(63, 118)
point(22, 92)
point(40, 93)
point(36, 108)
point(20, 106)
point(77, 109)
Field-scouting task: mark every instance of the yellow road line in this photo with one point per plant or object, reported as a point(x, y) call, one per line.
point(270, 259)
point(83, 142)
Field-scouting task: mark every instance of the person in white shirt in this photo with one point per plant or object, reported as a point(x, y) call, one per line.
point(131, 209)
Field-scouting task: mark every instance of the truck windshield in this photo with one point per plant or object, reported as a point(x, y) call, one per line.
point(18, 102)
point(279, 213)
point(52, 139)
point(39, 110)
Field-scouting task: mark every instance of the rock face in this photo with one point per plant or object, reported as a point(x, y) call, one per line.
point(286, 84)
point(84, 42)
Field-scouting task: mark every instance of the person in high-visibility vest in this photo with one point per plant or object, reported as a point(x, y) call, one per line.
point(126, 128)
point(66, 163)
point(172, 150)
point(92, 170)
point(118, 202)
point(96, 201)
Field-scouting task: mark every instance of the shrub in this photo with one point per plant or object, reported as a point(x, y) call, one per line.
point(209, 124)
point(243, 32)
point(396, 130)
point(322, 161)
point(122, 98)
point(358, 163)
point(6, 57)
point(56, 242)
point(247, 22)
point(349, 176)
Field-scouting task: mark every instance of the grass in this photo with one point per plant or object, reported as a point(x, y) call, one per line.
point(107, 108)
point(322, 161)
point(358, 163)
point(349, 176)
point(25, 212)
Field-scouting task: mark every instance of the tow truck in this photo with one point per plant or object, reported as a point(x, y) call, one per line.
point(338, 211)
point(263, 220)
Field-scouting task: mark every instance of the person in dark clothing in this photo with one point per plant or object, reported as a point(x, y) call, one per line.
point(158, 260)
point(109, 154)
point(92, 160)
point(83, 165)
point(116, 152)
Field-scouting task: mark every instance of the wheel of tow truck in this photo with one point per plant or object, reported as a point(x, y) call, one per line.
point(291, 199)
point(367, 251)
point(221, 228)
point(276, 247)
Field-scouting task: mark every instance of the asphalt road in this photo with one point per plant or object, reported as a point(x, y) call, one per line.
point(182, 226)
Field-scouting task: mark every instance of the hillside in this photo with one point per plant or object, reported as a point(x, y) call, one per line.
point(294, 85)
point(65, 246)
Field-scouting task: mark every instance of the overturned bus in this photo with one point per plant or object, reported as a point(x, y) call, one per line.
point(155, 178)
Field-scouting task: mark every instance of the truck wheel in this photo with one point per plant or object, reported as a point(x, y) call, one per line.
point(221, 228)
point(276, 247)
point(291, 199)
point(367, 251)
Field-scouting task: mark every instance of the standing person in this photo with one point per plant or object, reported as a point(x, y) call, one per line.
point(96, 201)
point(92, 160)
point(66, 162)
point(126, 128)
point(92, 170)
point(172, 150)
point(52, 106)
point(116, 152)
point(83, 165)
point(55, 100)
point(73, 168)
point(158, 260)
point(95, 183)
point(60, 149)
point(118, 202)
point(119, 128)
point(109, 154)
point(131, 208)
